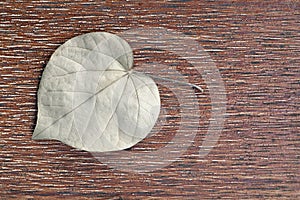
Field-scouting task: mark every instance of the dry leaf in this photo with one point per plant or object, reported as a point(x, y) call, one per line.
point(91, 99)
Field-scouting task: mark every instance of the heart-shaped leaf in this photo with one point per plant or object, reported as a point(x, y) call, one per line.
point(91, 99)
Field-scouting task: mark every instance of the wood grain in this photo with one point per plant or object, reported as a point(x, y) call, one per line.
point(255, 45)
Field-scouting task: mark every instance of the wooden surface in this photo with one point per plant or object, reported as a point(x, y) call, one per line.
point(255, 45)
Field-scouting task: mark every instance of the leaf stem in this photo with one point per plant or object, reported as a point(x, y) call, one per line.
point(174, 81)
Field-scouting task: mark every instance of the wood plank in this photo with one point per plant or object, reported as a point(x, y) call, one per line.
point(255, 46)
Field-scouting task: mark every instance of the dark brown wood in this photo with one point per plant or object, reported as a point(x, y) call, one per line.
point(255, 45)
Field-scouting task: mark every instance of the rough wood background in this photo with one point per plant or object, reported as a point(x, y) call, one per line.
point(255, 45)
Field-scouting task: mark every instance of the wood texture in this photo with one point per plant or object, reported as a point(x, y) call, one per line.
point(255, 45)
